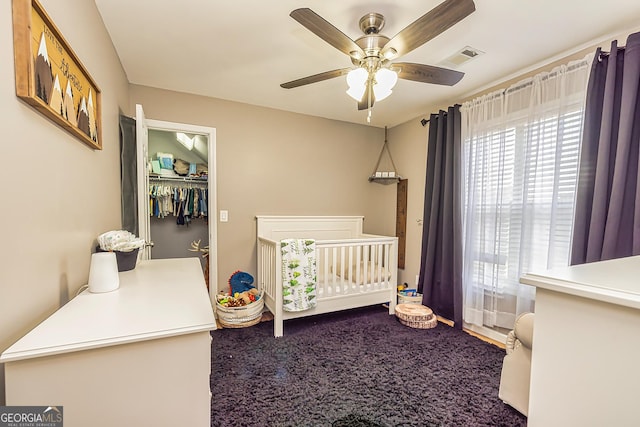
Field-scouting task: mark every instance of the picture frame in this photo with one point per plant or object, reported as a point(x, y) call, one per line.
point(50, 77)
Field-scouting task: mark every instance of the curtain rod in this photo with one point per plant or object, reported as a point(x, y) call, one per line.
point(424, 121)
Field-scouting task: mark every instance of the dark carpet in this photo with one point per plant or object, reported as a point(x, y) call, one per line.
point(357, 368)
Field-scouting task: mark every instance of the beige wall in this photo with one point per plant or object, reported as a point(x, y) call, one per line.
point(58, 195)
point(272, 162)
point(408, 145)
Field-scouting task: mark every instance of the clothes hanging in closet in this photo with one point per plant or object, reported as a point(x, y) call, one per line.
point(184, 203)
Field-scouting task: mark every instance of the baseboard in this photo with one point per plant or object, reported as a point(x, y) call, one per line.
point(490, 340)
point(485, 338)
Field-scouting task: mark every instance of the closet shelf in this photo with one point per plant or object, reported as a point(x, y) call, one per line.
point(178, 178)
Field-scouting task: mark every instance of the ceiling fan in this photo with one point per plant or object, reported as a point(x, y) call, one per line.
point(372, 53)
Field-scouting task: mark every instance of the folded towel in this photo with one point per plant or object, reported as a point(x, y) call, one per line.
point(299, 274)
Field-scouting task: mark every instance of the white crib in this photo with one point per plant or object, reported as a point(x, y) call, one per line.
point(341, 247)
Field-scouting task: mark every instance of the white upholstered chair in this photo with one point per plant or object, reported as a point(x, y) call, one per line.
point(516, 367)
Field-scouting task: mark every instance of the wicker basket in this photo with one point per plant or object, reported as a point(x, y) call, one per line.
point(406, 299)
point(241, 317)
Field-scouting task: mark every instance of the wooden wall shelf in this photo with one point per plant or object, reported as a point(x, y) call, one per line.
point(375, 176)
point(385, 180)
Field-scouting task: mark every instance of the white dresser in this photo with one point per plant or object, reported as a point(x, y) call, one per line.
point(585, 368)
point(140, 355)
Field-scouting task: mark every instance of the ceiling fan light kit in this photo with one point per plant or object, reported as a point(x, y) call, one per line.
point(385, 80)
point(357, 80)
point(375, 75)
point(382, 81)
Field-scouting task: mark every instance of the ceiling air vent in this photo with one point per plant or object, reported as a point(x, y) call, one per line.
point(465, 54)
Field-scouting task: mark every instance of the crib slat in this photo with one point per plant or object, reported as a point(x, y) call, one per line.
point(379, 275)
point(326, 289)
point(340, 261)
point(387, 266)
point(359, 254)
point(366, 267)
point(347, 268)
point(334, 261)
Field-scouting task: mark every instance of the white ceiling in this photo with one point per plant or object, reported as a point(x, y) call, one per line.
point(241, 50)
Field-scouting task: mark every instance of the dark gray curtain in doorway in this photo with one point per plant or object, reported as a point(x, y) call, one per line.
point(440, 278)
point(128, 182)
point(607, 216)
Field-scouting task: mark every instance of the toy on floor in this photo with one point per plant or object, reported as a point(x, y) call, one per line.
point(241, 291)
point(239, 299)
point(240, 282)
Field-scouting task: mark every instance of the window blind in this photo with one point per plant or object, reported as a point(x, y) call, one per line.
point(520, 160)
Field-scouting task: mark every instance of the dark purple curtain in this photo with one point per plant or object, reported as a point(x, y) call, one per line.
point(607, 217)
point(441, 261)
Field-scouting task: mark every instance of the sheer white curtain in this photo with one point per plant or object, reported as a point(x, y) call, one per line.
point(521, 149)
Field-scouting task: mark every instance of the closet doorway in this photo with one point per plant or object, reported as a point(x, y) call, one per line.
point(177, 190)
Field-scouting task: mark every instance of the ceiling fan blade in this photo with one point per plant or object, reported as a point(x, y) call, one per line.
point(427, 73)
point(327, 32)
point(428, 26)
point(315, 78)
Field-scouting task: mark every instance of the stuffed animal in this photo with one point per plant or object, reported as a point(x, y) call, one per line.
point(238, 299)
point(240, 282)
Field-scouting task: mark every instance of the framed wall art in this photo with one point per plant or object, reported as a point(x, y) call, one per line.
point(51, 78)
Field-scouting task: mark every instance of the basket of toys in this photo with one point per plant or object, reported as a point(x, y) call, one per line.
point(408, 296)
point(405, 297)
point(236, 312)
point(242, 306)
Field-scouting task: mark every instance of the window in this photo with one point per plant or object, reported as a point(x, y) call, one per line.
point(521, 150)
